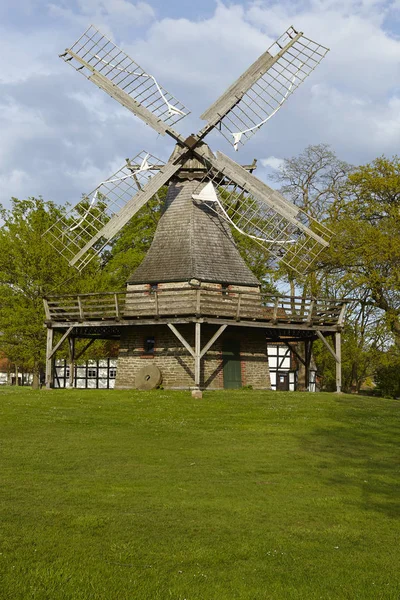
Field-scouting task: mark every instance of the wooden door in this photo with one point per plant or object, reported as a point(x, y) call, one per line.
point(282, 381)
point(232, 366)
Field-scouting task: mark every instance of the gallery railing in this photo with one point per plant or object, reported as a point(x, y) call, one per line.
point(188, 302)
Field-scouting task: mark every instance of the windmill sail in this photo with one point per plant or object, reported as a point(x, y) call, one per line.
point(111, 69)
point(86, 221)
point(260, 92)
point(262, 214)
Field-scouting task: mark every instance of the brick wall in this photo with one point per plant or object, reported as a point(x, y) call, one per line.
point(176, 363)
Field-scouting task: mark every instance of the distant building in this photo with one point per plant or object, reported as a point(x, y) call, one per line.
point(92, 374)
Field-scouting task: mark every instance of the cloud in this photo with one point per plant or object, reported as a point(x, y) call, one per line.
point(107, 14)
point(61, 135)
point(272, 162)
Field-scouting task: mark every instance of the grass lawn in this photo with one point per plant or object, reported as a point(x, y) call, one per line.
point(122, 495)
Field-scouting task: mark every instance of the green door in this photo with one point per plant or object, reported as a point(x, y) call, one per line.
point(231, 362)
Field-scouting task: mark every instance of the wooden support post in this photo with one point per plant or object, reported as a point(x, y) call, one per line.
point(49, 360)
point(60, 341)
point(71, 349)
point(338, 348)
point(307, 356)
point(197, 354)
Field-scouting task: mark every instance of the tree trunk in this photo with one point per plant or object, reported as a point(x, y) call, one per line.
point(16, 375)
point(35, 380)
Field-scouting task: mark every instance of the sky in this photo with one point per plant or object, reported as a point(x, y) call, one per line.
point(61, 136)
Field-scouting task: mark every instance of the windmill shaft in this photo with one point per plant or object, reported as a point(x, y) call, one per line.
point(236, 91)
point(137, 201)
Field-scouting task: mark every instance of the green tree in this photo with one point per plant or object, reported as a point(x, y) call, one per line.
point(364, 257)
point(30, 268)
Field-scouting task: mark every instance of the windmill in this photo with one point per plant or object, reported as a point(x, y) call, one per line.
point(209, 195)
point(263, 214)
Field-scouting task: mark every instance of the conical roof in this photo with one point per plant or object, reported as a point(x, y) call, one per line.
point(192, 242)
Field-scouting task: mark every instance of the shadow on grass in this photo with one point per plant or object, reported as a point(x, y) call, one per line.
point(358, 453)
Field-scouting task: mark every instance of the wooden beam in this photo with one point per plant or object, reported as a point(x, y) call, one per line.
point(263, 193)
point(125, 99)
point(197, 354)
point(86, 347)
point(281, 325)
point(56, 347)
point(213, 340)
point(71, 353)
point(131, 207)
point(181, 339)
point(49, 361)
point(292, 349)
point(338, 348)
point(217, 111)
point(46, 309)
point(328, 346)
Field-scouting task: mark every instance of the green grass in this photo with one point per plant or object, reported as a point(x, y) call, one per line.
point(242, 495)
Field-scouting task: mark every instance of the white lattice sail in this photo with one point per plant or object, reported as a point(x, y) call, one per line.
point(260, 92)
point(109, 67)
point(71, 233)
point(284, 230)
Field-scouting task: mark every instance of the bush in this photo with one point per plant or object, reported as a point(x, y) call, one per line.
point(387, 378)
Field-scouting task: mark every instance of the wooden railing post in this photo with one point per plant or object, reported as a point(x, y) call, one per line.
point(49, 358)
point(46, 309)
point(116, 306)
point(157, 308)
point(275, 314)
point(238, 306)
point(310, 312)
point(80, 308)
point(198, 303)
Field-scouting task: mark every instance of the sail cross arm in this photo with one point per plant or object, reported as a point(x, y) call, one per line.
point(236, 91)
point(137, 201)
point(115, 72)
point(267, 195)
point(261, 91)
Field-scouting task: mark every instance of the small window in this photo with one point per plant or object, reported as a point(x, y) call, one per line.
point(67, 372)
point(153, 287)
point(92, 372)
point(225, 289)
point(112, 373)
point(149, 344)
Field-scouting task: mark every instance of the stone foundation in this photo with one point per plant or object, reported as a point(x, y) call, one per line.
point(177, 364)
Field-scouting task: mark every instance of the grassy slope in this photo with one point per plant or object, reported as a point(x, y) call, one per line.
point(124, 495)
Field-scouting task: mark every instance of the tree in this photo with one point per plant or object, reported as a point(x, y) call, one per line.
point(314, 181)
point(365, 254)
point(29, 270)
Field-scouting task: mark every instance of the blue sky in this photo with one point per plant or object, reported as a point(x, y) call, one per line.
point(61, 136)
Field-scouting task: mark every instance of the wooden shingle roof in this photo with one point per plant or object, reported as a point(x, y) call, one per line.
point(192, 242)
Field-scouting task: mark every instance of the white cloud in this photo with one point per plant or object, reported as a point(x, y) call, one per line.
point(107, 14)
point(61, 135)
point(272, 162)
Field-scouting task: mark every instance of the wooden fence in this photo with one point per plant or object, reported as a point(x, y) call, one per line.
point(187, 302)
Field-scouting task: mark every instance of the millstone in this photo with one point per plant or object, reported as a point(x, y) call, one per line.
point(148, 378)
